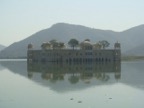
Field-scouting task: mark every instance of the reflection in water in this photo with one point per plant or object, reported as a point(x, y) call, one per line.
point(75, 85)
point(75, 72)
point(67, 77)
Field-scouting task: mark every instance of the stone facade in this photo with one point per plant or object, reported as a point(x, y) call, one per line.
point(86, 54)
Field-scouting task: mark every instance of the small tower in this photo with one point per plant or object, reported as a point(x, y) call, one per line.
point(29, 53)
point(117, 52)
point(117, 45)
point(30, 46)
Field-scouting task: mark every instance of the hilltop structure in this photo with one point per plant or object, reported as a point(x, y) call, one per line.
point(87, 52)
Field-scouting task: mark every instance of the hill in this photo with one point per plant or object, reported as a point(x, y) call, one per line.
point(64, 32)
point(2, 47)
point(132, 38)
point(136, 51)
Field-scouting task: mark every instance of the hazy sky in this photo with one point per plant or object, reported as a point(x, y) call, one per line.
point(21, 18)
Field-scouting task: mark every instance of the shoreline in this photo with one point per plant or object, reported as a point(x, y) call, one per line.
point(132, 58)
point(123, 58)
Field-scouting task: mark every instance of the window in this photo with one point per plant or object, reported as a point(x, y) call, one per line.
point(88, 53)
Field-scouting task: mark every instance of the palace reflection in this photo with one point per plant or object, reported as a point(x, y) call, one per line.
point(75, 72)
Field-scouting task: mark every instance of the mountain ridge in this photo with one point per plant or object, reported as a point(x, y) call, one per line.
point(2, 47)
point(64, 32)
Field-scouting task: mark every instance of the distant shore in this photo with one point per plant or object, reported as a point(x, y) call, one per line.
point(132, 58)
point(123, 58)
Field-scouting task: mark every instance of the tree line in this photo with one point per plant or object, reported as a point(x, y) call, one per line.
point(73, 43)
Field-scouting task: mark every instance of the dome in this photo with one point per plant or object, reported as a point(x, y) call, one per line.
point(86, 45)
point(86, 42)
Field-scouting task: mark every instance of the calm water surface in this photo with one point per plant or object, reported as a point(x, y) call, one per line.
point(71, 86)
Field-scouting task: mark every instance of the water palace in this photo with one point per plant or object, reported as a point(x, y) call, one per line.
point(87, 52)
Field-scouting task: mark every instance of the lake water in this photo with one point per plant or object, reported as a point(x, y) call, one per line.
point(71, 86)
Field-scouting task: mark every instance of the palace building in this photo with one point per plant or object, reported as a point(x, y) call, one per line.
point(87, 52)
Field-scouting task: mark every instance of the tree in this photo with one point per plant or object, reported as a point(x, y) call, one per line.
point(73, 43)
point(61, 45)
point(97, 46)
point(54, 43)
point(104, 43)
point(57, 45)
point(46, 45)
